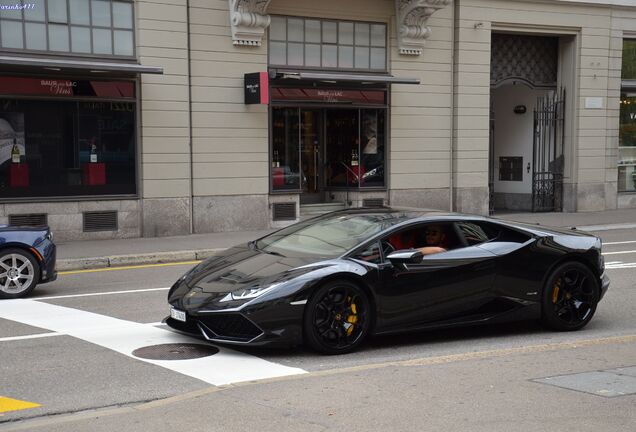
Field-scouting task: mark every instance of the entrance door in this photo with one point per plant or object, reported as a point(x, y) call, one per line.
point(311, 156)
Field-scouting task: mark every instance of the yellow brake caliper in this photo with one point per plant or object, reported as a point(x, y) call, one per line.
point(352, 319)
point(555, 291)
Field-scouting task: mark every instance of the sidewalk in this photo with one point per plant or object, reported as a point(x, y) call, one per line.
point(77, 255)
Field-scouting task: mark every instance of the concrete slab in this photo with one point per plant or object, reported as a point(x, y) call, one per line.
point(599, 383)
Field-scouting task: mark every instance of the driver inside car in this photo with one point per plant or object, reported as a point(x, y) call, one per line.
point(436, 240)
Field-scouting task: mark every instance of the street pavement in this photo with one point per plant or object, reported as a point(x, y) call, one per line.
point(89, 254)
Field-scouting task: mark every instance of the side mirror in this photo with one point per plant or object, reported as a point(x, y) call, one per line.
point(406, 256)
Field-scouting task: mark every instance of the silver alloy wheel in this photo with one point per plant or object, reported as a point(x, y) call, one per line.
point(16, 273)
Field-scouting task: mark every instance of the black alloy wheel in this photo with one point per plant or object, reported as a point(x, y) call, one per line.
point(19, 273)
point(570, 297)
point(337, 318)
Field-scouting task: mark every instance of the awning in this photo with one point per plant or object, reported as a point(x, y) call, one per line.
point(629, 84)
point(325, 76)
point(79, 65)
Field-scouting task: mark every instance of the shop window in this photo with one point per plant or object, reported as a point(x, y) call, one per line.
point(327, 44)
point(65, 148)
point(627, 127)
point(285, 149)
point(83, 27)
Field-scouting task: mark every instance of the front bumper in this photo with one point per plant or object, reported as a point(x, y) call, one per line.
point(276, 325)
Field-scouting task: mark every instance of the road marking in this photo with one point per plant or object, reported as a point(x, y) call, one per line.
point(72, 272)
point(32, 336)
point(620, 242)
point(102, 293)
point(8, 404)
point(619, 253)
point(122, 336)
point(620, 266)
point(44, 335)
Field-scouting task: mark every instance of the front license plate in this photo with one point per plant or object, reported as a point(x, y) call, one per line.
point(177, 314)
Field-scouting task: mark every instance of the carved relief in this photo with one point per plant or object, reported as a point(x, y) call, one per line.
point(412, 16)
point(248, 19)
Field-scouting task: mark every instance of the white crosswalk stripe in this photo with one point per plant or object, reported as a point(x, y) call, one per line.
point(226, 367)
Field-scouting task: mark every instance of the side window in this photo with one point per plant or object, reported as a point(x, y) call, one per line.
point(371, 254)
point(475, 233)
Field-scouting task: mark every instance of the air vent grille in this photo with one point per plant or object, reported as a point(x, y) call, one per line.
point(100, 221)
point(284, 211)
point(33, 219)
point(373, 202)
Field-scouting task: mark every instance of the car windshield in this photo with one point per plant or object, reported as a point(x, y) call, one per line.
point(328, 237)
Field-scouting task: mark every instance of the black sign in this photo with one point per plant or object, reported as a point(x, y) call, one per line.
point(256, 88)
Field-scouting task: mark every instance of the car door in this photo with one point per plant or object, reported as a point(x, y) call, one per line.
point(445, 286)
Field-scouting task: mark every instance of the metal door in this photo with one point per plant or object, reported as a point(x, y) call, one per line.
point(548, 159)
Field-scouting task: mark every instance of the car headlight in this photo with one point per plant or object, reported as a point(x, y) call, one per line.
point(248, 293)
point(49, 236)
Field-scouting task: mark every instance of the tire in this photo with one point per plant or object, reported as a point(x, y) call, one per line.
point(19, 273)
point(337, 318)
point(569, 297)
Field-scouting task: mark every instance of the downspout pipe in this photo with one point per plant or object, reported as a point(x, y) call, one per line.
point(190, 144)
point(453, 122)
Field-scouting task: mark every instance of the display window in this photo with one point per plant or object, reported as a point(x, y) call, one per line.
point(627, 127)
point(69, 148)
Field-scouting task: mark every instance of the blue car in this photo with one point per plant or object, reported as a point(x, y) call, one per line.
point(27, 257)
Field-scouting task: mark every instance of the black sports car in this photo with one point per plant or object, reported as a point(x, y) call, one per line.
point(27, 257)
point(333, 280)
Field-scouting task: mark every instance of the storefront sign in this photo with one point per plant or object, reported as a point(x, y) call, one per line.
point(330, 96)
point(65, 87)
point(256, 88)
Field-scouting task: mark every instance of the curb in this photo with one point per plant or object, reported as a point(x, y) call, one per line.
point(71, 264)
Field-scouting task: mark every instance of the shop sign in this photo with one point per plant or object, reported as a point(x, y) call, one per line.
point(65, 87)
point(256, 88)
point(329, 96)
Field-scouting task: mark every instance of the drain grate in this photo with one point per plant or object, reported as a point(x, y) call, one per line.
point(184, 351)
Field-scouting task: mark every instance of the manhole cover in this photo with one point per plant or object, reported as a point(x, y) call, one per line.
point(175, 351)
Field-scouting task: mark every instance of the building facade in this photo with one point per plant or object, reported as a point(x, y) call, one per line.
point(127, 118)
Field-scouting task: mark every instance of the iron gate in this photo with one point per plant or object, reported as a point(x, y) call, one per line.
point(547, 150)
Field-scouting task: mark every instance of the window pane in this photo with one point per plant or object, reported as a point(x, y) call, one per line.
point(35, 36)
point(80, 12)
point(627, 144)
point(278, 28)
point(295, 54)
point(362, 34)
point(378, 58)
point(330, 56)
point(100, 13)
point(102, 43)
point(629, 59)
point(345, 33)
point(378, 35)
point(372, 138)
point(80, 39)
point(362, 58)
point(294, 29)
point(312, 55)
point(312, 31)
point(11, 34)
point(329, 32)
point(122, 15)
point(123, 42)
point(345, 57)
point(58, 37)
point(36, 13)
point(285, 148)
point(57, 11)
point(278, 53)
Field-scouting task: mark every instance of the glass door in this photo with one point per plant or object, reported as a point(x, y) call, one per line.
point(311, 156)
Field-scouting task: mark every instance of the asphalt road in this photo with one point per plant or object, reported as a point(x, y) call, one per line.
point(68, 357)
